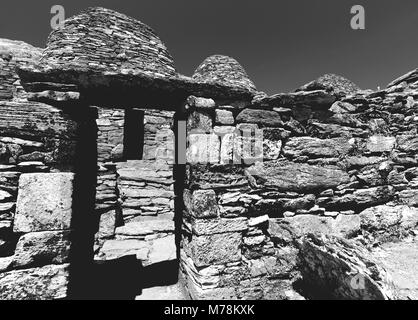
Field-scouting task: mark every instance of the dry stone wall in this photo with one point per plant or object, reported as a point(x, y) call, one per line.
point(261, 178)
point(135, 198)
point(37, 171)
point(263, 173)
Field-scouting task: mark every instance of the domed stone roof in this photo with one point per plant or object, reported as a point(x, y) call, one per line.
point(104, 39)
point(14, 54)
point(224, 70)
point(331, 83)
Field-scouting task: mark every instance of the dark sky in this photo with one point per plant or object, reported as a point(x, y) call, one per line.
point(281, 43)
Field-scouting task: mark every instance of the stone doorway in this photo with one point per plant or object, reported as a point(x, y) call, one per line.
point(135, 198)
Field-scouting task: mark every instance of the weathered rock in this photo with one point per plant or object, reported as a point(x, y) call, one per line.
point(35, 120)
point(39, 248)
point(407, 143)
point(305, 224)
point(288, 176)
point(264, 118)
point(330, 130)
point(107, 224)
point(378, 144)
point(333, 83)
point(314, 147)
point(222, 225)
point(46, 283)
point(361, 198)
point(346, 226)
point(204, 204)
point(271, 149)
point(224, 70)
point(4, 196)
point(409, 197)
point(215, 176)
point(199, 122)
point(316, 98)
point(44, 202)
point(357, 162)
point(386, 222)
point(13, 54)
point(145, 171)
point(224, 117)
point(216, 249)
point(198, 102)
point(371, 176)
point(342, 107)
point(400, 260)
point(339, 269)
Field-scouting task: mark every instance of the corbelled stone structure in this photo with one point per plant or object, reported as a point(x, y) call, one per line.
point(224, 70)
point(102, 39)
point(298, 195)
point(13, 54)
point(332, 83)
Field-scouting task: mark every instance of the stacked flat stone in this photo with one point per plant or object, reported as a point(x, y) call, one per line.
point(224, 70)
point(105, 58)
point(13, 54)
point(332, 83)
point(110, 124)
point(102, 39)
point(37, 144)
point(158, 135)
point(135, 198)
point(313, 161)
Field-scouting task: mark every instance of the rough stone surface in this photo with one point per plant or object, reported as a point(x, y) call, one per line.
point(224, 117)
point(204, 204)
point(261, 117)
point(213, 226)
point(332, 82)
point(13, 54)
point(316, 148)
point(378, 144)
point(45, 283)
point(285, 175)
point(327, 159)
point(400, 260)
point(40, 248)
point(338, 269)
point(104, 39)
point(223, 69)
point(216, 248)
point(44, 202)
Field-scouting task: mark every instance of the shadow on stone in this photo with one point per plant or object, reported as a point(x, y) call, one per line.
point(124, 278)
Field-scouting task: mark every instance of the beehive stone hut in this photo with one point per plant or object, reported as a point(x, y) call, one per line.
point(271, 197)
point(332, 83)
point(103, 39)
point(13, 54)
point(224, 70)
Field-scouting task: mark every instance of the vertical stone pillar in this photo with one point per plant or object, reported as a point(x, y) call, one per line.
point(52, 197)
point(211, 258)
